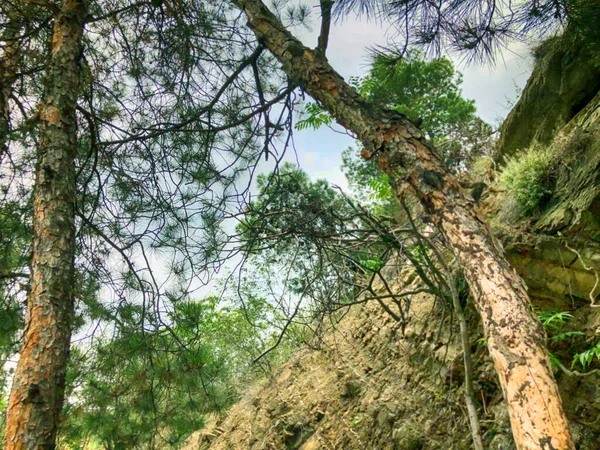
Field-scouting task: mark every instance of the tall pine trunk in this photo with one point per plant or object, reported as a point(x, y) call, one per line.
point(37, 392)
point(515, 338)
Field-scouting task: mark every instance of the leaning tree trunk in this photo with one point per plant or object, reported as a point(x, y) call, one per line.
point(38, 387)
point(516, 340)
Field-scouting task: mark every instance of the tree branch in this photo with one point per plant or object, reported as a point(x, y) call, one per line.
point(10, 275)
point(326, 6)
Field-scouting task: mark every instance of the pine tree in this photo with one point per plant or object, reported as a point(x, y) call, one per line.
point(516, 340)
point(37, 392)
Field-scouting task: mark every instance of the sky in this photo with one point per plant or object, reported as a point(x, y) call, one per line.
point(494, 88)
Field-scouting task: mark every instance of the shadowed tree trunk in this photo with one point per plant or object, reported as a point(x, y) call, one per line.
point(515, 338)
point(38, 386)
point(8, 68)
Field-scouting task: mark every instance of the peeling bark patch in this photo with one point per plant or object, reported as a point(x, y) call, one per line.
point(57, 41)
point(546, 443)
point(50, 114)
point(521, 393)
point(383, 163)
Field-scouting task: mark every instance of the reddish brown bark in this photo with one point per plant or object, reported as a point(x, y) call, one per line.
point(516, 340)
point(38, 386)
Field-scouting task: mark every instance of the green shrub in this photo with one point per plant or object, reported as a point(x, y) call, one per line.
point(529, 179)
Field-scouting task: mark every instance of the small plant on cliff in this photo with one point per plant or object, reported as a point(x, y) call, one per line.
point(529, 179)
point(586, 357)
point(554, 322)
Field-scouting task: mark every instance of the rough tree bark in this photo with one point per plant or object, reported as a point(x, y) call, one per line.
point(516, 340)
point(38, 386)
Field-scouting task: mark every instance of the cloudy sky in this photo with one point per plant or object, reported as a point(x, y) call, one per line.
point(494, 89)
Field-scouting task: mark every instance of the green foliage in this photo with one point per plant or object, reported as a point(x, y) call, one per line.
point(153, 388)
point(357, 420)
point(380, 186)
point(554, 319)
point(554, 322)
point(478, 30)
point(10, 325)
point(305, 239)
point(292, 15)
point(292, 206)
point(420, 89)
point(370, 185)
point(373, 265)
point(314, 117)
point(586, 357)
point(427, 92)
point(3, 405)
point(566, 335)
point(529, 179)
point(554, 361)
point(15, 234)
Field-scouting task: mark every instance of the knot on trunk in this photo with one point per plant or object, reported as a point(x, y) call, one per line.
point(396, 161)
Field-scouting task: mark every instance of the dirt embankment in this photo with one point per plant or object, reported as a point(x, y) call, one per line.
point(369, 386)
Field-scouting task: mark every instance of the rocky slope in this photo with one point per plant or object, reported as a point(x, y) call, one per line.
point(368, 386)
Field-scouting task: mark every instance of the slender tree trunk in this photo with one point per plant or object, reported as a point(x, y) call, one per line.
point(516, 340)
point(8, 68)
point(468, 364)
point(38, 387)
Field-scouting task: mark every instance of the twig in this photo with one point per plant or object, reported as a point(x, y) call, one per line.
point(574, 373)
point(468, 386)
point(325, 25)
point(4, 276)
point(589, 269)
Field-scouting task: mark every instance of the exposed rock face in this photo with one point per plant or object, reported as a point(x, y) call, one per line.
point(555, 268)
point(565, 78)
point(575, 205)
point(560, 110)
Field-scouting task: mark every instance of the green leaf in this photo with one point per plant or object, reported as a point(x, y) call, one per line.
point(316, 117)
point(566, 335)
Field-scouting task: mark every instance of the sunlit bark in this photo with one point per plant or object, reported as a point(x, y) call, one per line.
point(516, 340)
point(38, 386)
